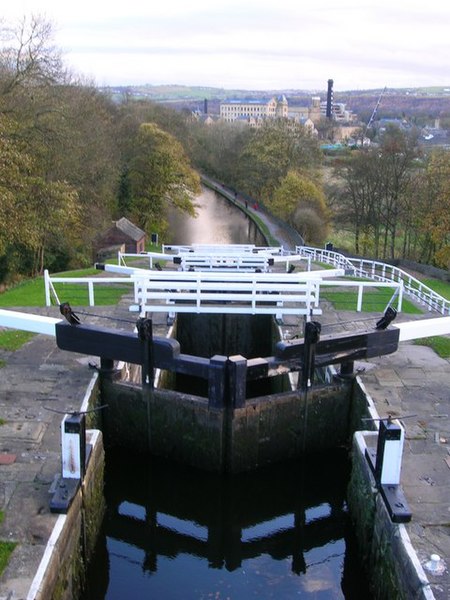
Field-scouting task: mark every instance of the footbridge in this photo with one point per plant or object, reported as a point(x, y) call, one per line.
point(222, 292)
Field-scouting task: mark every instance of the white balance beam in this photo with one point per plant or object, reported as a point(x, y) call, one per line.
point(28, 322)
point(413, 330)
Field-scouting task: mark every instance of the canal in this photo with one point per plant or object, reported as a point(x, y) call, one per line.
point(172, 532)
point(218, 222)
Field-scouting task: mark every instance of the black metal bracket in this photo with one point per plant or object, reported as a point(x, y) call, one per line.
point(312, 337)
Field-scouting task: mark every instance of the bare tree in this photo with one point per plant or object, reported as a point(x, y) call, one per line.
point(28, 56)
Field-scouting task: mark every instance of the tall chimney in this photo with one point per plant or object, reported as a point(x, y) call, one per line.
point(205, 106)
point(330, 99)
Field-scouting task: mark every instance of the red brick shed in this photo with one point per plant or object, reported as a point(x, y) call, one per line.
point(124, 232)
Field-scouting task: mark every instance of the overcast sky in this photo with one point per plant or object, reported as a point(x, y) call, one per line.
point(251, 44)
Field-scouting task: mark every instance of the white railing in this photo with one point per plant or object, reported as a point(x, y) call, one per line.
point(220, 249)
point(155, 290)
point(237, 292)
point(90, 282)
point(397, 288)
point(150, 256)
point(382, 272)
point(328, 257)
point(414, 288)
point(202, 256)
point(223, 262)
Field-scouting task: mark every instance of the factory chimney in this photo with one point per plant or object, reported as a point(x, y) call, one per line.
point(205, 106)
point(329, 112)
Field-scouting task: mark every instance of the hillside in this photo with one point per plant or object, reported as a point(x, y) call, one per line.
point(420, 104)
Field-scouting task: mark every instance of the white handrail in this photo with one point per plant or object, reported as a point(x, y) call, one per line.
point(383, 272)
point(50, 291)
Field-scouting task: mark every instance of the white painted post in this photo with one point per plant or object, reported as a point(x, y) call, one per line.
point(73, 446)
point(47, 288)
point(91, 293)
point(360, 296)
point(400, 298)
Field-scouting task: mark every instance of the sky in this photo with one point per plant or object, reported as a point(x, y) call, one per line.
point(250, 44)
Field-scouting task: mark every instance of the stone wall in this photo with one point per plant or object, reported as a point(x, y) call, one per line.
point(71, 545)
point(384, 546)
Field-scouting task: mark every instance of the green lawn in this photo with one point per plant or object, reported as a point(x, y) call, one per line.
point(440, 287)
point(374, 300)
point(440, 344)
point(6, 549)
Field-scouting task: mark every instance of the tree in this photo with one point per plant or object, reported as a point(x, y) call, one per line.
point(278, 146)
point(301, 203)
point(160, 175)
point(359, 194)
point(14, 172)
point(216, 149)
point(28, 57)
point(34, 214)
point(374, 186)
point(395, 162)
point(66, 125)
point(55, 213)
point(436, 221)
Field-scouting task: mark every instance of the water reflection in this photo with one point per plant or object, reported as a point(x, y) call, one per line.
point(175, 532)
point(219, 222)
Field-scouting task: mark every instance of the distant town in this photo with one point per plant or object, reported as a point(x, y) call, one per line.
point(335, 117)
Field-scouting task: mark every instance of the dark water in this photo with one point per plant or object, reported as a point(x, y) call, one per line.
point(172, 532)
point(218, 222)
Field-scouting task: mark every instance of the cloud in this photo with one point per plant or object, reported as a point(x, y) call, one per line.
point(254, 43)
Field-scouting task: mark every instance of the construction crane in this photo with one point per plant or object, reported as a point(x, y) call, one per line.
point(375, 109)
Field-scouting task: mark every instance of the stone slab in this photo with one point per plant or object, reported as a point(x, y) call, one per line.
point(24, 431)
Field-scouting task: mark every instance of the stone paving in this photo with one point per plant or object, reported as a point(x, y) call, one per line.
point(34, 379)
point(415, 381)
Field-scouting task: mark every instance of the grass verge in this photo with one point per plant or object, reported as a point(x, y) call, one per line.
point(374, 300)
point(6, 549)
point(440, 344)
point(12, 339)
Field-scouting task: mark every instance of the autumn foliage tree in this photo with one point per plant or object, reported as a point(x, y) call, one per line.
point(271, 152)
point(436, 210)
point(160, 176)
point(301, 203)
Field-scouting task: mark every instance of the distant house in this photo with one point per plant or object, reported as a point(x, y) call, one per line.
point(123, 233)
